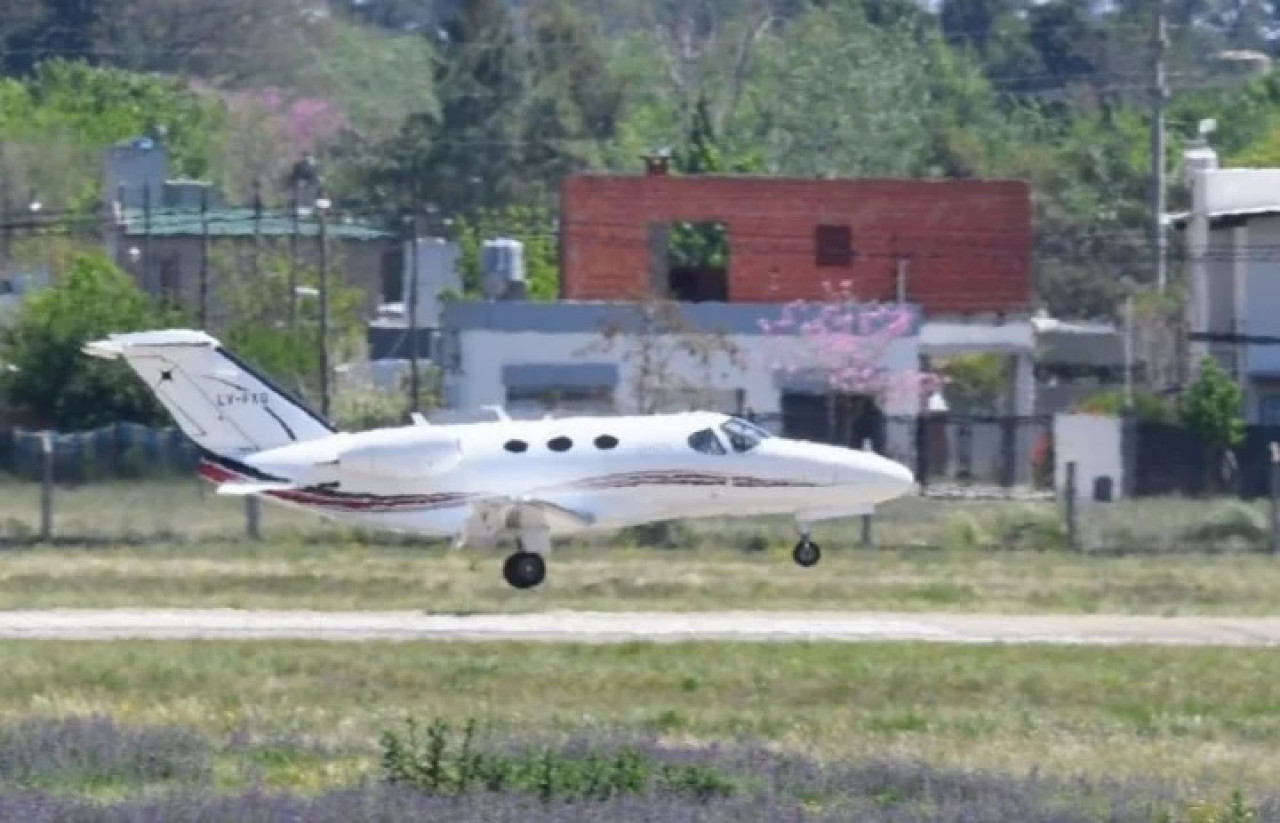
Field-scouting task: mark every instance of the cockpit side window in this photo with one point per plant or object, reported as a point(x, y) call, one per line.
point(743, 436)
point(705, 441)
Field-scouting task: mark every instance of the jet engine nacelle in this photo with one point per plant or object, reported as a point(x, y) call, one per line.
point(391, 467)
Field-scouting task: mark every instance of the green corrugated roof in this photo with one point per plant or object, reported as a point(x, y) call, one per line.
point(239, 222)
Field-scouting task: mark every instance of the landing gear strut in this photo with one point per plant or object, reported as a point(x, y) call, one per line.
point(806, 553)
point(524, 569)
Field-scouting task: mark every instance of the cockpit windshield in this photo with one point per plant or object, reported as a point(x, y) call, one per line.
point(705, 441)
point(743, 436)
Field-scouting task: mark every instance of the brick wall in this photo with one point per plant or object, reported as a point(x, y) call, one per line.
point(968, 243)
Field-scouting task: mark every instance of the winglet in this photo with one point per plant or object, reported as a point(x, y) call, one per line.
point(418, 419)
point(499, 411)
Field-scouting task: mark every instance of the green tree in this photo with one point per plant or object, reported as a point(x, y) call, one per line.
point(49, 380)
point(575, 102)
point(55, 125)
point(704, 244)
point(1211, 408)
point(532, 226)
point(253, 313)
point(466, 155)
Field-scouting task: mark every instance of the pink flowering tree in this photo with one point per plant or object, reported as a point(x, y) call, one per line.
point(844, 344)
point(269, 131)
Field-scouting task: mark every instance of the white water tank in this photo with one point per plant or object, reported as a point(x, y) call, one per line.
point(502, 269)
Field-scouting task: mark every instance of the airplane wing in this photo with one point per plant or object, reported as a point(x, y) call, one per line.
point(562, 515)
point(494, 514)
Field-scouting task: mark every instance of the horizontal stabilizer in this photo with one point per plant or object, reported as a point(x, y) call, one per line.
point(245, 489)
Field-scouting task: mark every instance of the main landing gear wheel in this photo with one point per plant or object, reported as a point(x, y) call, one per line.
point(524, 570)
point(806, 553)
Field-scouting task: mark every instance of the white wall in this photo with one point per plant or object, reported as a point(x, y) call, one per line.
point(1095, 443)
point(483, 353)
point(1262, 292)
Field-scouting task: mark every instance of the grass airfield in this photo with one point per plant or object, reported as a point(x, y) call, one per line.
point(273, 730)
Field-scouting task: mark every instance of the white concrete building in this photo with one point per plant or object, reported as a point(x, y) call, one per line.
point(1232, 236)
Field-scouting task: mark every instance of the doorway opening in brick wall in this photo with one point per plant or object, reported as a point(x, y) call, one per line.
point(697, 261)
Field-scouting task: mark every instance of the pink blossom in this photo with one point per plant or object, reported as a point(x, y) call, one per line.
point(847, 343)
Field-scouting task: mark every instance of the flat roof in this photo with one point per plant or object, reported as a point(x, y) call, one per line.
point(239, 222)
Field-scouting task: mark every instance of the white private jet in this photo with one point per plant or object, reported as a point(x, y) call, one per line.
point(480, 482)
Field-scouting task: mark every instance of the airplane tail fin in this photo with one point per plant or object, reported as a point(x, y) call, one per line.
point(219, 401)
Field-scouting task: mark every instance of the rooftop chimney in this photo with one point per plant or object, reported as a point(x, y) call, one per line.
point(657, 163)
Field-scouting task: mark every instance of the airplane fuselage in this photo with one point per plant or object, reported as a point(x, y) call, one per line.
point(613, 471)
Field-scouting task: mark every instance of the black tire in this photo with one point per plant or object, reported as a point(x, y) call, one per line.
point(806, 553)
point(524, 570)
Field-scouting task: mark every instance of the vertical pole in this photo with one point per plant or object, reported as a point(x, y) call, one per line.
point(253, 517)
point(1070, 505)
point(119, 236)
point(1128, 351)
point(295, 204)
point(1274, 493)
point(1159, 94)
point(5, 207)
point(324, 314)
point(257, 229)
point(866, 518)
point(414, 377)
point(147, 282)
point(46, 487)
point(204, 258)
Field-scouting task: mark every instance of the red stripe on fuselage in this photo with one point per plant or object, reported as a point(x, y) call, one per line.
point(340, 501)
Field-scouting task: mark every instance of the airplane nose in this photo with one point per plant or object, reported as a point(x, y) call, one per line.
point(889, 478)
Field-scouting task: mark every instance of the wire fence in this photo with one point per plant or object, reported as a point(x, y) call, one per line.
point(127, 484)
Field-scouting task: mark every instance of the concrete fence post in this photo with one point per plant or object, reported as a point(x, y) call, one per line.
point(866, 518)
point(253, 517)
point(46, 487)
point(1273, 493)
point(1070, 506)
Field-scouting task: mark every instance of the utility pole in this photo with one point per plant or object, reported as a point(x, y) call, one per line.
point(204, 258)
point(414, 379)
point(1159, 95)
point(322, 206)
point(257, 230)
point(295, 201)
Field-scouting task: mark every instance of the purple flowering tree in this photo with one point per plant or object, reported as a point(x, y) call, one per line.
point(844, 345)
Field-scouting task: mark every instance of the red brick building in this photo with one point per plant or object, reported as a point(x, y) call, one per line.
point(952, 246)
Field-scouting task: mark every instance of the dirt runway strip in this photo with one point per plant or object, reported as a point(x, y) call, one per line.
point(615, 627)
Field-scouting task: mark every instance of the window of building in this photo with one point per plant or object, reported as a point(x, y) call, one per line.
point(562, 399)
point(606, 441)
point(559, 444)
point(833, 245)
point(516, 446)
point(705, 441)
point(1269, 410)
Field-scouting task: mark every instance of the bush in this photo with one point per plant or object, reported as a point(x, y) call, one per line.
point(664, 534)
point(1033, 529)
point(1233, 522)
point(427, 765)
point(964, 531)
